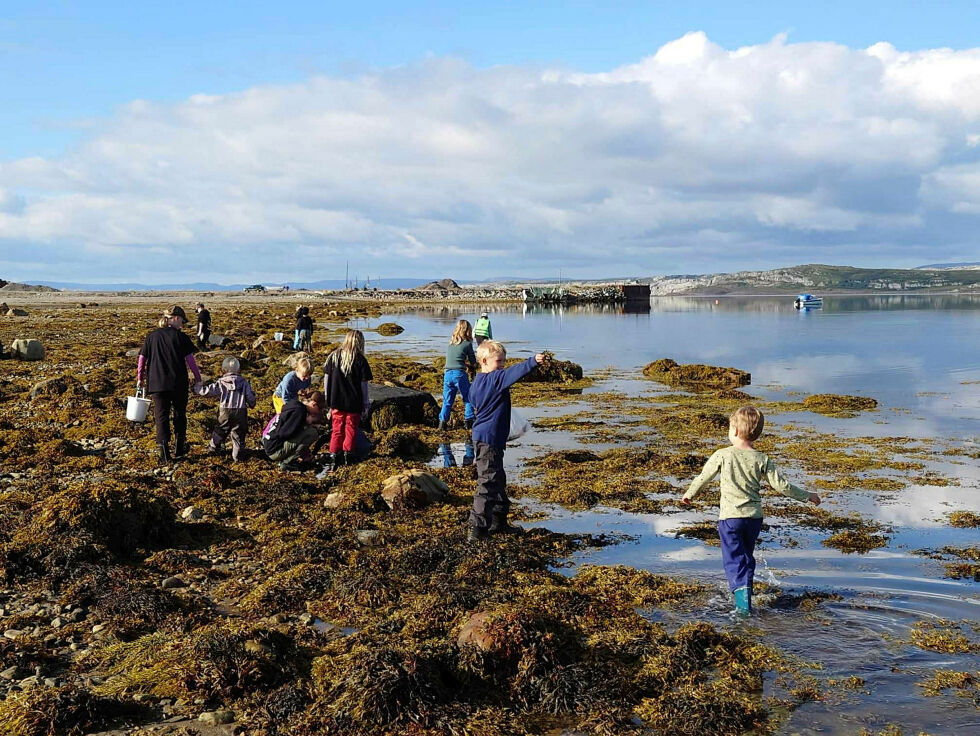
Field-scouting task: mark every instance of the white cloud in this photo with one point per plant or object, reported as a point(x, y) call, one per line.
point(695, 152)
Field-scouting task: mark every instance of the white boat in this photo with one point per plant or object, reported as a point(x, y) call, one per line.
point(807, 301)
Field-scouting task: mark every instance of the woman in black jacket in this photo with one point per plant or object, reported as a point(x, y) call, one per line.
point(166, 355)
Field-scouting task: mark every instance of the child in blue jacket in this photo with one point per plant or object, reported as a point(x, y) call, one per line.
point(490, 396)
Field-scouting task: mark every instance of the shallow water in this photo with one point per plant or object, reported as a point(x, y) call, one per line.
point(919, 356)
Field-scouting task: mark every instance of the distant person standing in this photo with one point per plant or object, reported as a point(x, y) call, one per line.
point(483, 331)
point(203, 327)
point(166, 355)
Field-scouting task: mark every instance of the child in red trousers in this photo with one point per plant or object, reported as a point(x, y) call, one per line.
point(345, 383)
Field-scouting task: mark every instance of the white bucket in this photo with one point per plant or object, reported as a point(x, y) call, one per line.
point(277, 335)
point(137, 406)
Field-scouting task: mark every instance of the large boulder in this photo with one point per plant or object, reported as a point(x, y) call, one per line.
point(27, 349)
point(218, 341)
point(290, 361)
point(53, 386)
point(394, 405)
point(13, 312)
point(414, 489)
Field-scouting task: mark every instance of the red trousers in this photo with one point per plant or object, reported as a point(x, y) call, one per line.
point(345, 424)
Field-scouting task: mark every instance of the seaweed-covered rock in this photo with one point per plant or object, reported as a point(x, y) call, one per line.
point(88, 523)
point(838, 404)
point(395, 405)
point(670, 372)
point(404, 443)
point(54, 386)
point(369, 689)
point(27, 349)
point(63, 710)
point(414, 489)
point(390, 329)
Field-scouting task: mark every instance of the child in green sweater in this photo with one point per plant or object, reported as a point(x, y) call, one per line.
point(742, 469)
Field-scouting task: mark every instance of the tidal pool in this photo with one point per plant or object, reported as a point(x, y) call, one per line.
point(918, 356)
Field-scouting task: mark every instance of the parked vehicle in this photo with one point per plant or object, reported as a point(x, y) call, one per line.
point(254, 287)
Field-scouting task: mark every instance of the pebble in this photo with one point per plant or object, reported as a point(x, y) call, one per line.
point(174, 582)
point(57, 623)
point(13, 633)
point(217, 717)
point(306, 618)
point(98, 628)
point(369, 537)
point(10, 673)
point(191, 513)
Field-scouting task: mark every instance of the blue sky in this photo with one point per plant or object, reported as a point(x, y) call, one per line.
point(83, 81)
point(66, 62)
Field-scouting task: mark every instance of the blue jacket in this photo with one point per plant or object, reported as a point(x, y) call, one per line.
point(490, 396)
point(290, 386)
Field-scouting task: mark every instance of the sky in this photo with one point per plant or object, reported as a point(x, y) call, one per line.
point(241, 142)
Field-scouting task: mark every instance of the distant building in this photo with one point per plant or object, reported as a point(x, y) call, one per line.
point(635, 292)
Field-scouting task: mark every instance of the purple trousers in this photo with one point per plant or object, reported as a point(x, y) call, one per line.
point(737, 546)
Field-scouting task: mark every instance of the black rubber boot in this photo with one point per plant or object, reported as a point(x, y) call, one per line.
point(349, 458)
point(181, 449)
point(164, 455)
point(333, 461)
point(476, 534)
point(499, 525)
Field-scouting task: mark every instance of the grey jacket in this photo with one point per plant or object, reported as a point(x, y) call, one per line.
point(233, 390)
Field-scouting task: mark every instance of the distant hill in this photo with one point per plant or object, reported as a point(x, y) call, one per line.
point(325, 285)
point(821, 279)
point(947, 266)
point(8, 286)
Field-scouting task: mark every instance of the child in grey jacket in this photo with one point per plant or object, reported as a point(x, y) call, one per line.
point(236, 397)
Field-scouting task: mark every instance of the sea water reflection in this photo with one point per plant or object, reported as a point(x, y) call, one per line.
point(919, 356)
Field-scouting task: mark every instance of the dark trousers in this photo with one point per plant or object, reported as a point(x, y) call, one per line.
point(202, 338)
point(490, 498)
point(232, 422)
point(165, 402)
point(737, 547)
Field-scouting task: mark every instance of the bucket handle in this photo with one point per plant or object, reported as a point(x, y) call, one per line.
point(140, 391)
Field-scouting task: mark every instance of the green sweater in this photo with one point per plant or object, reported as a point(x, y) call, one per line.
point(459, 356)
point(742, 473)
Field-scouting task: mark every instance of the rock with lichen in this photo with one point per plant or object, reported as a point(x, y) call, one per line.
point(414, 489)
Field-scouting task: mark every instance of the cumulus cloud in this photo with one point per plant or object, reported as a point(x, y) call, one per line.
point(694, 158)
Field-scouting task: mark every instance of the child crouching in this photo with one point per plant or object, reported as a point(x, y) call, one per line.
point(490, 396)
point(235, 399)
point(742, 469)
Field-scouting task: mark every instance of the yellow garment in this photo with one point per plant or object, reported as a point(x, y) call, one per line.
point(277, 403)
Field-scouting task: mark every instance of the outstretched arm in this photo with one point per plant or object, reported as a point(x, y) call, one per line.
point(708, 473)
point(779, 483)
point(516, 372)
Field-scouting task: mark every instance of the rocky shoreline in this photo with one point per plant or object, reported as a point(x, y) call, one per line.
point(216, 598)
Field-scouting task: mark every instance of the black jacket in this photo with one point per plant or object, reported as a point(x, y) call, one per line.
point(291, 420)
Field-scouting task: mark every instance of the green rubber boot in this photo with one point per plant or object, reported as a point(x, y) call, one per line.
point(743, 600)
